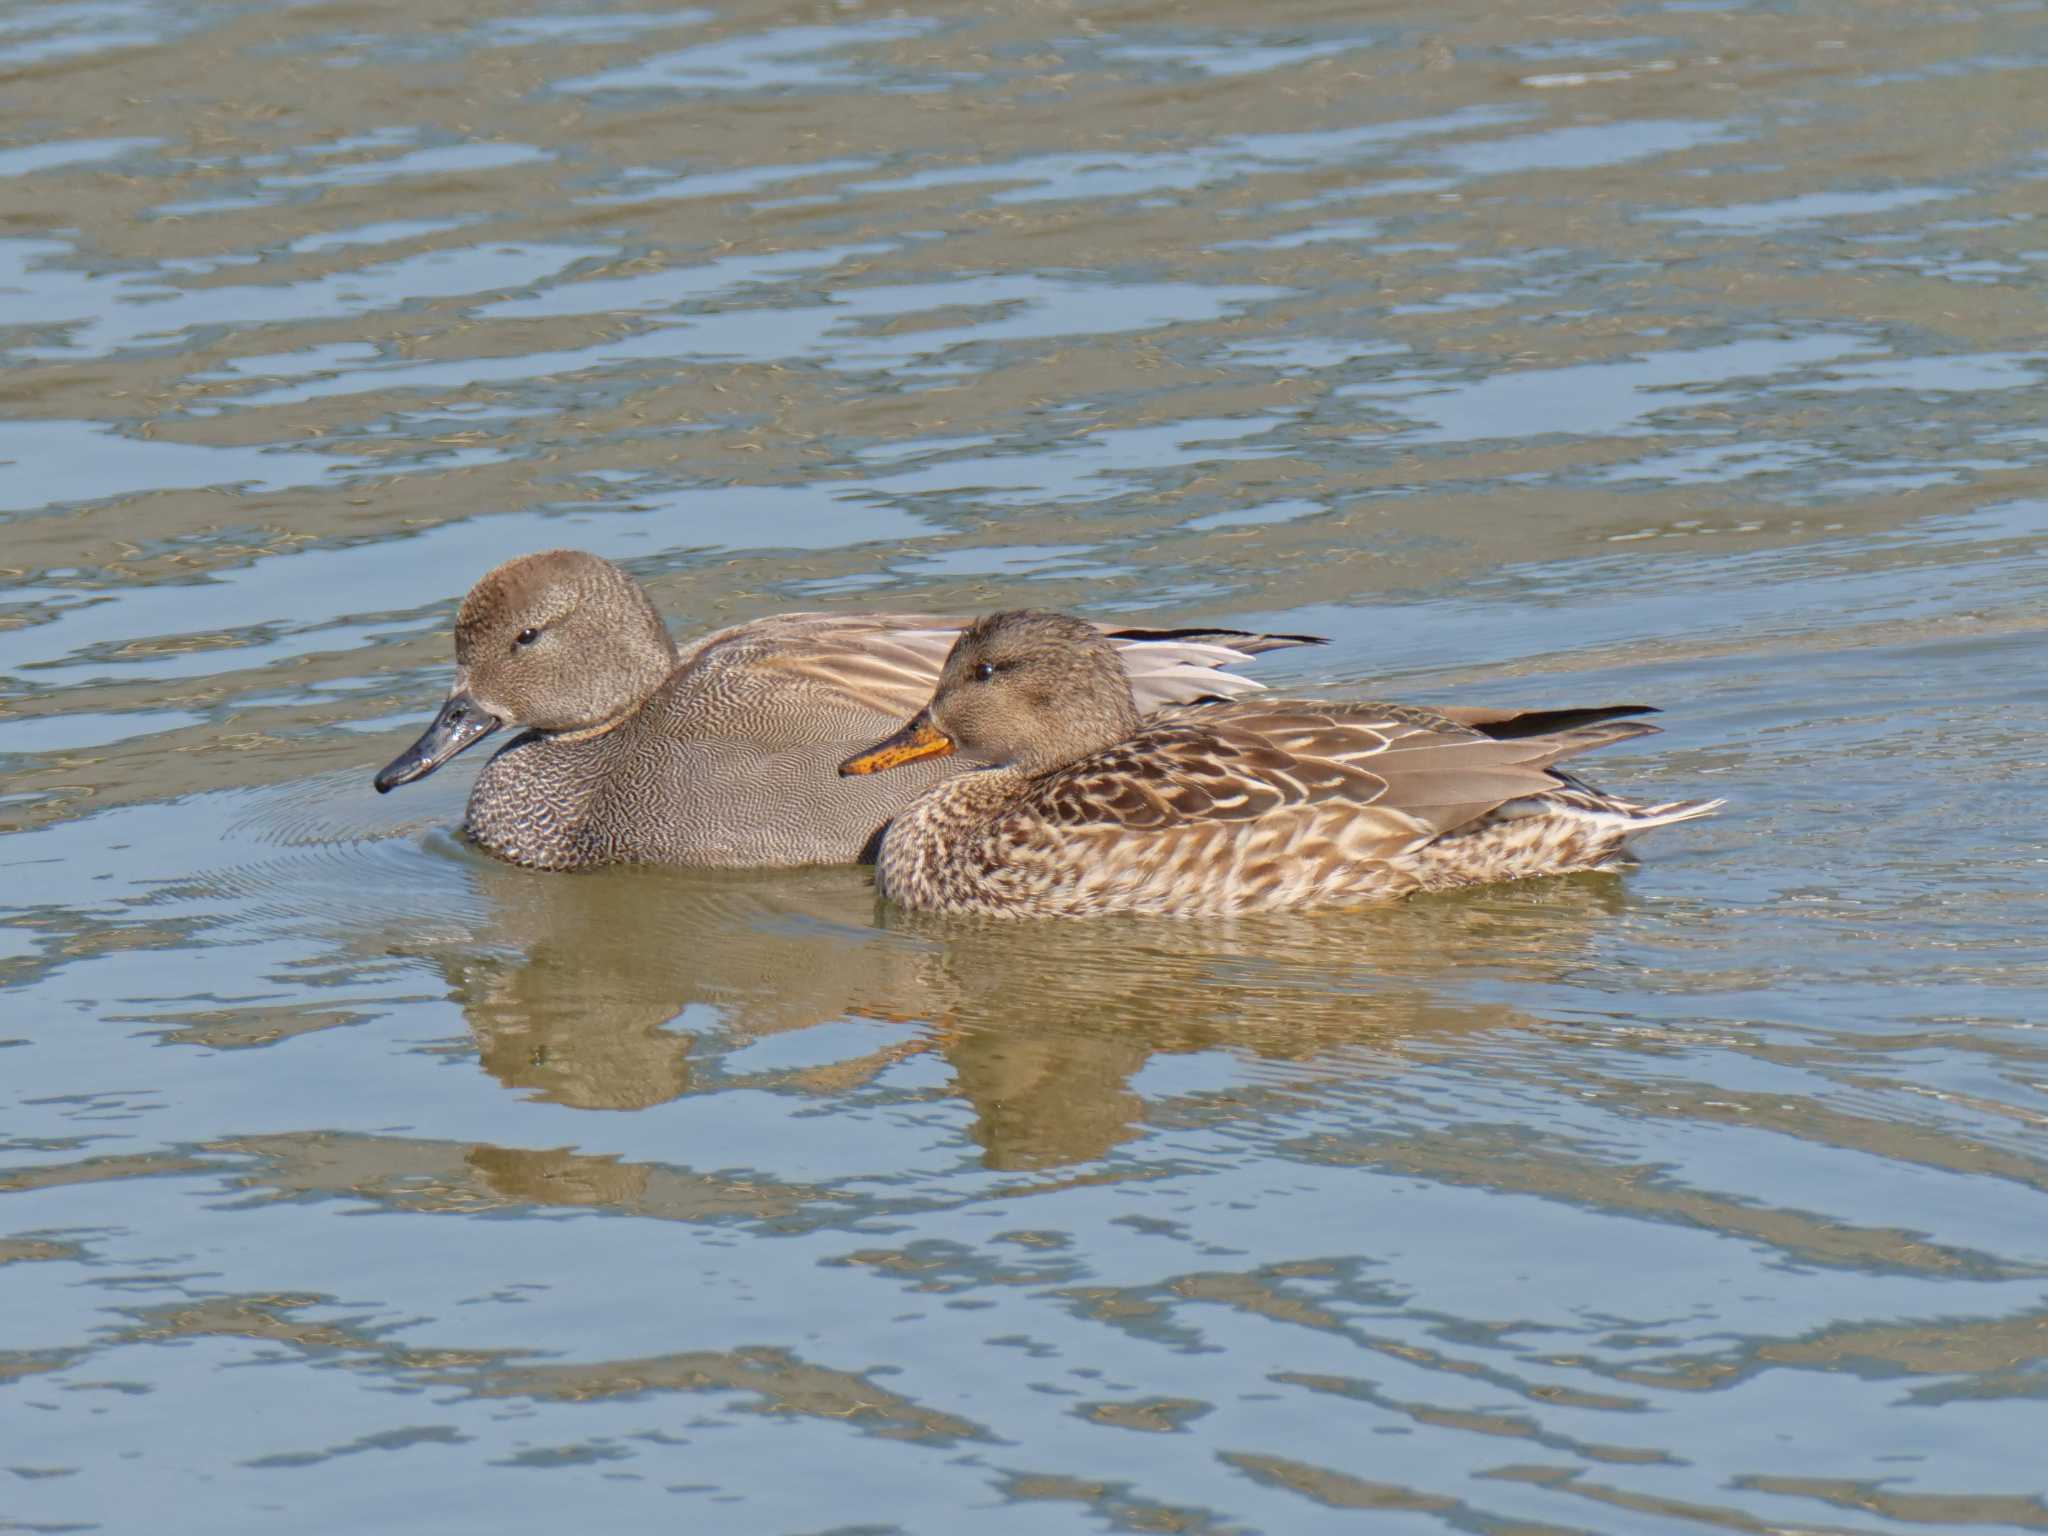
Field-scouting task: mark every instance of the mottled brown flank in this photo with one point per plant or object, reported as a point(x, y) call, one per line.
point(1266, 804)
point(724, 752)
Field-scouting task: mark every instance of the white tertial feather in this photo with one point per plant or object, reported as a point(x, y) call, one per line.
point(1166, 672)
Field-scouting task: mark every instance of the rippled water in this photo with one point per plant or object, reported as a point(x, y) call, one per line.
point(1686, 352)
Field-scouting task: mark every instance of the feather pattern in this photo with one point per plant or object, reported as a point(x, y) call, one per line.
point(1258, 804)
point(889, 662)
point(631, 749)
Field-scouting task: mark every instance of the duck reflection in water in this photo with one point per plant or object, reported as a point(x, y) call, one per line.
point(627, 988)
point(591, 990)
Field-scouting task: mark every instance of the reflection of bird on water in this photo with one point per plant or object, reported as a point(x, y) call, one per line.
point(1046, 1023)
point(574, 989)
point(582, 981)
point(577, 987)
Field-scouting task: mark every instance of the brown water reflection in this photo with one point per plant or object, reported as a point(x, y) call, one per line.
point(573, 994)
point(1048, 1077)
point(411, 1174)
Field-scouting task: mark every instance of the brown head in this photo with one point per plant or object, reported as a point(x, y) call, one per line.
point(1026, 689)
point(558, 642)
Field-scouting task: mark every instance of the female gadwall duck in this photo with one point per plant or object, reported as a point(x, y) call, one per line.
point(633, 751)
point(1243, 805)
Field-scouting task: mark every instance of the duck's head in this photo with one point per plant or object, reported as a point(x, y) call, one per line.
point(1026, 689)
point(559, 642)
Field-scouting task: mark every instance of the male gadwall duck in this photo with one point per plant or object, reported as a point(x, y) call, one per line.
point(722, 752)
point(1244, 805)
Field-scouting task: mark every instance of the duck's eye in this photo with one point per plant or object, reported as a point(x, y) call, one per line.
point(983, 671)
point(526, 637)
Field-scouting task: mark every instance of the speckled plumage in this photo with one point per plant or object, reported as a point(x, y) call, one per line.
point(1244, 805)
point(718, 753)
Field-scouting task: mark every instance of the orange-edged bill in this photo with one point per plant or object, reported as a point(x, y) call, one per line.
point(918, 739)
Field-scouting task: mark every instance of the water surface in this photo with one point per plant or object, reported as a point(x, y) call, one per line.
point(1679, 352)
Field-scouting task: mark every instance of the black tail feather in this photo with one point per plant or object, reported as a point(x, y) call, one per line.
point(1250, 641)
point(1551, 722)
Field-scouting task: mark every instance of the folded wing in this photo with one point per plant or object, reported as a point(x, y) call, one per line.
point(1420, 771)
point(888, 663)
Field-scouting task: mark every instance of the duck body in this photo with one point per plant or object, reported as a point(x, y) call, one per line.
point(1243, 805)
point(1262, 806)
point(729, 763)
point(721, 752)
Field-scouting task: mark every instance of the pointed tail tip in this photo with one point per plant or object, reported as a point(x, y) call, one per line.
point(1250, 642)
point(1674, 811)
point(1257, 643)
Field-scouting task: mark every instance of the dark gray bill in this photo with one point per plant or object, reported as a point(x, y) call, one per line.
point(459, 724)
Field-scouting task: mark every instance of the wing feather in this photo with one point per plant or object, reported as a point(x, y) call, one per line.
point(1302, 762)
point(888, 663)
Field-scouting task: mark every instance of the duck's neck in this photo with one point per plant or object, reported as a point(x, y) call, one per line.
point(603, 727)
point(592, 732)
point(928, 845)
